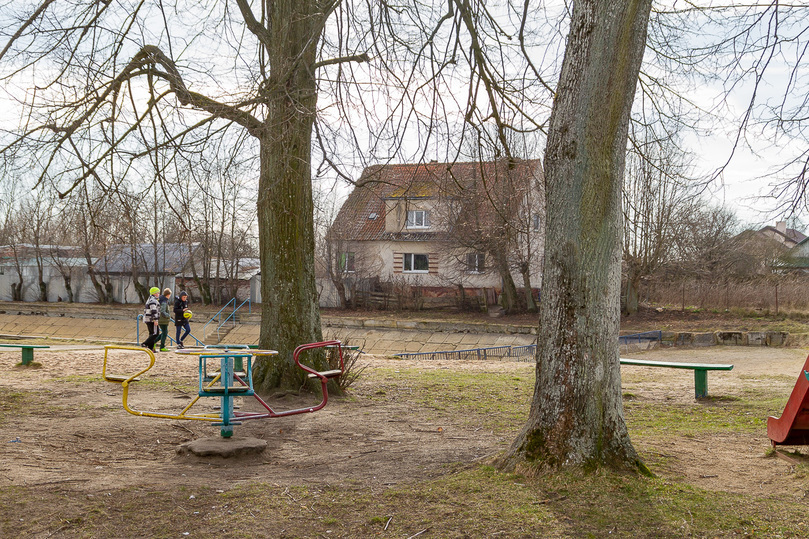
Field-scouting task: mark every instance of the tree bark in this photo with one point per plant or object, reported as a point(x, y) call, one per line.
point(68, 288)
point(508, 295)
point(530, 303)
point(102, 295)
point(16, 291)
point(576, 417)
point(290, 311)
point(631, 295)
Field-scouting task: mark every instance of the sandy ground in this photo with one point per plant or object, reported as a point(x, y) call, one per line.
point(74, 431)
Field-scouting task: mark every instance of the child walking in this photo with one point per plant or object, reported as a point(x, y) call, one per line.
point(181, 322)
point(165, 318)
point(151, 314)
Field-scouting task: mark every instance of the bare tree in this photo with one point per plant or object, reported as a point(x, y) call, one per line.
point(703, 240)
point(90, 211)
point(656, 188)
point(36, 222)
point(63, 253)
point(14, 235)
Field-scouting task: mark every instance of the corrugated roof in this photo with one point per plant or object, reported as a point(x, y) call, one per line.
point(167, 258)
point(247, 268)
point(362, 216)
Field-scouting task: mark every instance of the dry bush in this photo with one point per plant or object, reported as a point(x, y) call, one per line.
point(773, 293)
point(351, 369)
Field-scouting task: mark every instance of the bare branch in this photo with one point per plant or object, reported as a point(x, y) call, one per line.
point(255, 27)
point(344, 59)
point(34, 16)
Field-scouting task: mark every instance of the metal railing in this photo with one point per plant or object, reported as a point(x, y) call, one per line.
point(231, 316)
point(520, 353)
point(640, 338)
point(471, 353)
point(529, 350)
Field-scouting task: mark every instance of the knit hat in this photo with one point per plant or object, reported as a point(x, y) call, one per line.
point(154, 290)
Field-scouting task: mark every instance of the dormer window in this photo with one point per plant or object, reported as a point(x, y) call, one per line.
point(417, 219)
point(373, 216)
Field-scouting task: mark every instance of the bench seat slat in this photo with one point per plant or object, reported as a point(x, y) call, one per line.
point(219, 390)
point(328, 374)
point(675, 365)
point(119, 377)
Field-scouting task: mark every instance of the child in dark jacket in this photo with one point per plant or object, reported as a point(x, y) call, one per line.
point(165, 318)
point(180, 322)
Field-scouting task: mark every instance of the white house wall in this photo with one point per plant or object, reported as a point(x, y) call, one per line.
point(381, 255)
point(83, 290)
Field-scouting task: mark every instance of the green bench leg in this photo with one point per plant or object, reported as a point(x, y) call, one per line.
point(27, 356)
point(701, 383)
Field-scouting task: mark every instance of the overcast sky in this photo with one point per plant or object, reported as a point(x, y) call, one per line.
point(741, 184)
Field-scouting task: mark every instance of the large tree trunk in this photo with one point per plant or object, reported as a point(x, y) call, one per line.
point(576, 416)
point(290, 311)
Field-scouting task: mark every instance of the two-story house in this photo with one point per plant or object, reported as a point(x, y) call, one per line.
point(440, 230)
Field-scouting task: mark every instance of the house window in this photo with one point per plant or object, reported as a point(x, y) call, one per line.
point(415, 263)
point(535, 222)
point(475, 262)
point(417, 219)
point(347, 262)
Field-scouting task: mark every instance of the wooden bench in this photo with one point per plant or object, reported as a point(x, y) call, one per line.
point(700, 371)
point(27, 350)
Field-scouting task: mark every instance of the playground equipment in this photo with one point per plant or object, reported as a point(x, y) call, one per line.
point(226, 372)
point(792, 428)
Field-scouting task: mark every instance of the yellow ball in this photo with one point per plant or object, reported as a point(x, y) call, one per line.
point(188, 314)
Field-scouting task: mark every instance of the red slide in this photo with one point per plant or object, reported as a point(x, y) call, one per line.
point(792, 428)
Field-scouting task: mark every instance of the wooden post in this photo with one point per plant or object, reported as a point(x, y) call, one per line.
point(776, 298)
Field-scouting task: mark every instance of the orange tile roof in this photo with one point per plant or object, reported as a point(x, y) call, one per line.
point(362, 216)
